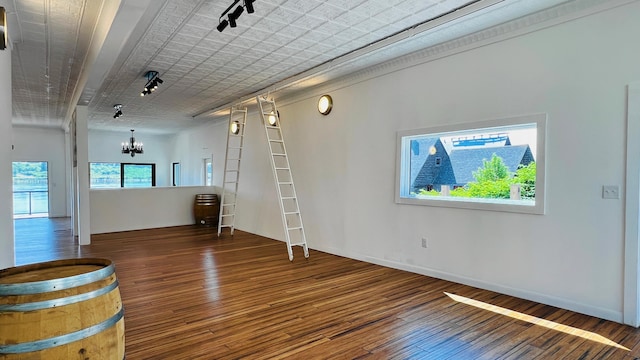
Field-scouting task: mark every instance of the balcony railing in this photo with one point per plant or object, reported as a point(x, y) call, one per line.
point(30, 202)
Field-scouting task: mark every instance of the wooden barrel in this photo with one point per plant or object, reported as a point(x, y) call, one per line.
point(206, 209)
point(64, 309)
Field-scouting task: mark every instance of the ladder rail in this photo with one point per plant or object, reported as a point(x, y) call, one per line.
point(225, 190)
point(275, 167)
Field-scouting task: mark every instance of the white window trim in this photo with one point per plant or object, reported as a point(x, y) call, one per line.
point(402, 162)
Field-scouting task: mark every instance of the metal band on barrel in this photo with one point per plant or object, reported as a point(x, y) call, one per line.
point(39, 305)
point(37, 287)
point(63, 339)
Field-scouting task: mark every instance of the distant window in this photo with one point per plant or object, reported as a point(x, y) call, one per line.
point(208, 172)
point(104, 175)
point(490, 165)
point(138, 175)
point(176, 174)
point(115, 175)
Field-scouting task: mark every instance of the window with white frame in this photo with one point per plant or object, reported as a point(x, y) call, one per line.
point(489, 165)
point(208, 172)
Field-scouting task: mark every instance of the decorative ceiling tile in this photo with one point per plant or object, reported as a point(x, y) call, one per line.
point(203, 68)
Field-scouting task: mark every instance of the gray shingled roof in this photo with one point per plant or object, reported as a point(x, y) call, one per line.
point(465, 161)
point(420, 154)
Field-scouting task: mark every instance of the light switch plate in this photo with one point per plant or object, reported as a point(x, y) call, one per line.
point(610, 192)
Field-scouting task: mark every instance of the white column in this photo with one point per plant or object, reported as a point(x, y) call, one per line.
point(82, 176)
point(7, 249)
point(631, 300)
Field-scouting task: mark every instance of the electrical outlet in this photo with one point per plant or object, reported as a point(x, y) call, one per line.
point(610, 192)
point(424, 242)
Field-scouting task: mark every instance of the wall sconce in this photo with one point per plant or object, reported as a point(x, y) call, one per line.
point(325, 104)
point(272, 119)
point(235, 128)
point(4, 39)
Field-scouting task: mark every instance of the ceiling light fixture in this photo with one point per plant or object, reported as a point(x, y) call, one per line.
point(325, 104)
point(118, 109)
point(249, 5)
point(235, 128)
point(272, 119)
point(152, 82)
point(233, 16)
point(132, 147)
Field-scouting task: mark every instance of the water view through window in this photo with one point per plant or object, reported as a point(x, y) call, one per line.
point(30, 189)
point(116, 175)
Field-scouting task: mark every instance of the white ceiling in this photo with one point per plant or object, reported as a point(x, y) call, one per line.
point(96, 52)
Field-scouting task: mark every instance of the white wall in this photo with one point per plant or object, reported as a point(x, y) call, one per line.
point(105, 146)
point(133, 209)
point(344, 165)
point(164, 205)
point(40, 144)
point(192, 146)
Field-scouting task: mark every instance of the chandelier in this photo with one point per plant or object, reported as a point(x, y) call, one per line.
point(132, 147)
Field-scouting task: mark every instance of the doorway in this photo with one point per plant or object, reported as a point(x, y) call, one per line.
point(30, 189)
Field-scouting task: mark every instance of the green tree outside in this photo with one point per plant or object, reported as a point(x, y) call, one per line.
point(493, 181)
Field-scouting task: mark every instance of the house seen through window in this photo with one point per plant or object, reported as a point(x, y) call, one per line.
point(493, 165)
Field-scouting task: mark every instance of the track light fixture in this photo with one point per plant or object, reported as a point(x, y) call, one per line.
point(152, 82)
point(249, 5)
point(233, 16)
point(118, 109)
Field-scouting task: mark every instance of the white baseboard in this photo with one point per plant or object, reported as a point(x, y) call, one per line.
point(562, 303)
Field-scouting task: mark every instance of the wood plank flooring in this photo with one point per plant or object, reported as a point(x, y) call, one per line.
point(191, 295)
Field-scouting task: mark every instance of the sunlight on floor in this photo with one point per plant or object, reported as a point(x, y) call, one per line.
point(536, 321)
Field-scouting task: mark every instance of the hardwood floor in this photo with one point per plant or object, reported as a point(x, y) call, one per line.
point(191, 295)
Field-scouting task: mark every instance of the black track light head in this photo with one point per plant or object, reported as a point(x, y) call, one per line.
point(222, 25)
point(235, 15)
point(152, 82)
point(249, 5)
point(118, 109)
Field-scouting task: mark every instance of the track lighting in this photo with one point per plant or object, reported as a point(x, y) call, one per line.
point(233, 16)
point(118, 109)
point(152, 82)
point(249, 5)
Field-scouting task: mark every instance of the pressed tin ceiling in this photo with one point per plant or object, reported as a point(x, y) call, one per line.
point(96, 52)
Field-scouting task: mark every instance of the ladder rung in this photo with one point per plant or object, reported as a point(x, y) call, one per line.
point(292, 212)
point(298, 244)
point(230, 182)
point(294, 228)
point(228, 204)
point(279, 154)
point(285, 183)
point(288, 198)
point(227, 215)
point(235, 147)
point(282, 168)
point(232, 171)
point(276, 141)
point(227, 225)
